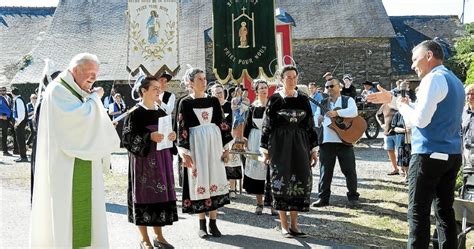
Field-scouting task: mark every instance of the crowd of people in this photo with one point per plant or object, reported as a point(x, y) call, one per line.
point(209, 134)
point(15, 115)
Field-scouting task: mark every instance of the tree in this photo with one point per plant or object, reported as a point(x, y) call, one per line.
point(462, 62)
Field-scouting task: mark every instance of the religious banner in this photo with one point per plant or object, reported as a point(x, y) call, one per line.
point(244, 39)
point(153, 36)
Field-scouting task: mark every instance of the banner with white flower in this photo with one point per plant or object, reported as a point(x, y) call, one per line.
point(153, 36)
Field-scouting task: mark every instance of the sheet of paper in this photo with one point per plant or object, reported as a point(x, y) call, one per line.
point(165, 127)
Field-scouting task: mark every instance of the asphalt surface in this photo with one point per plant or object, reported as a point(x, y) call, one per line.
point(240, 227)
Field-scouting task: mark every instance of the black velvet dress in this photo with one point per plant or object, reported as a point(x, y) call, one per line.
point(151, 192)
point(288, 134)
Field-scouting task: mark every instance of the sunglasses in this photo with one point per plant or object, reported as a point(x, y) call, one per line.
point(330, 86)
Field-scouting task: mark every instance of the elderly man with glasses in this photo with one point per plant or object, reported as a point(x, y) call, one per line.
point(331, 146)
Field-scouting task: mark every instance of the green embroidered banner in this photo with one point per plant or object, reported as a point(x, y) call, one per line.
point(81, 204)
point(244, 39)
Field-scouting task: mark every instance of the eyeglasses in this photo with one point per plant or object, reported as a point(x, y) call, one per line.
point(330, 86)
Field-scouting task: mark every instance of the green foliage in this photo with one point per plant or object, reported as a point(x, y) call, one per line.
point(461, 62)
point(470, 74)
point(469, 28)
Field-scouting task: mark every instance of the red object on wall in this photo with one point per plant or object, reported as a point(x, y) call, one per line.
point(284, 51)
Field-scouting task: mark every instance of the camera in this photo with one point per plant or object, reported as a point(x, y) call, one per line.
point(403, 92)
point(398, 92)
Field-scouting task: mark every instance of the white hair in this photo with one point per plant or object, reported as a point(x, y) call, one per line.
point(82, 58)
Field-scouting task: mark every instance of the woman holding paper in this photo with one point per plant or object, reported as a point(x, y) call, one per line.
point(151, 193)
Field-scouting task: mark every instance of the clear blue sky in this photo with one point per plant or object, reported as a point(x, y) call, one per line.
point(393, 7)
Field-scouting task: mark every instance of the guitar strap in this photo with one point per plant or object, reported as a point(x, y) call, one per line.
point(325, 102)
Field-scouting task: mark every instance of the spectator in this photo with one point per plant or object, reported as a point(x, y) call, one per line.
point(328, 76)
point(116, 109)
point(403, 143)
point(348, 89)
point(167, 99)
point(5, 115)
point(315, 92)
point(109, 99)
point(21, 119)
point(468, 127)
point(368, 89)
point(30, 107)
point(389, 139)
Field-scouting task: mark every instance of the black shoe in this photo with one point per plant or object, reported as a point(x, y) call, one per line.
point(202, 229)
point(286, 234)
point(21, 160)
point(297, 234)
point(353, 203)
point(320, 203)
point(213, 228)
point(7, 154)
point(16, 153)
point(158, 244)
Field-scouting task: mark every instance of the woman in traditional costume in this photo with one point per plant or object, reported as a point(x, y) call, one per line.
point(256, 171)
point(233, 167)
point(151, 193)
point(203, 142)
point(289, 143)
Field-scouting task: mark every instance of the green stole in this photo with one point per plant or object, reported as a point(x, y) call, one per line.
point(81, 195)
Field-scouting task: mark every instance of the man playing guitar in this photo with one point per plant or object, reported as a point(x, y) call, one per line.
point(331, 146)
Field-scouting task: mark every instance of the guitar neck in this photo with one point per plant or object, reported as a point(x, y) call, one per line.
point(324, 108)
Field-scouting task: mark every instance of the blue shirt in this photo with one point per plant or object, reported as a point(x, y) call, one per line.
point(436, 114)
point(4, 108)
point(318, 97)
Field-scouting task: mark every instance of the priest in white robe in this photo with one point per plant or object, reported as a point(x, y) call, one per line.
point(74, 134)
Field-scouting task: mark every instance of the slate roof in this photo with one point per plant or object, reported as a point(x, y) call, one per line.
point(411, 30)
point(317, 19)
point(98, 27)
point(21, 29)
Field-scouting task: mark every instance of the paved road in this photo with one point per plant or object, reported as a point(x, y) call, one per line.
point(239, 225)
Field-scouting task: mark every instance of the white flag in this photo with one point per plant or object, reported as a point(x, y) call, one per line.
point(153, 36)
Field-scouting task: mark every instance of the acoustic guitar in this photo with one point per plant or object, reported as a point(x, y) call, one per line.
point(349, 130)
